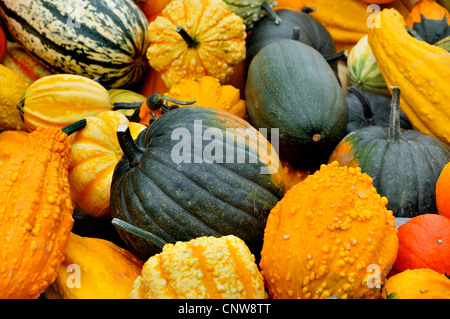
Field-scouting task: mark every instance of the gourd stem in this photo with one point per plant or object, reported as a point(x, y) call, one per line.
point(156, 101)
point(126, 105)
point(192, 43)
point(128, 146)
point(337, 56)
point(308, 10)
point(394, 127)
point(74, 127)
point(271, 13)
point(296, 33)
point(135, 117)
point(368, 114)
point(158, 241)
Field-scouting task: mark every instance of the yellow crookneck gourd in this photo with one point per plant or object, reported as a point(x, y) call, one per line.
point(420, 70)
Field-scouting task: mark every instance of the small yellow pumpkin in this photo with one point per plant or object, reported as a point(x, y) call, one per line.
point(193, 38)
point(95, 268)
point(94, 155)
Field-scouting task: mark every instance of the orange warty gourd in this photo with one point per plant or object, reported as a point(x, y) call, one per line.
point(36, 213)
point(103, 270)
point(420, 283)
point(10, 143)
point(443, 192)
point(193, 38)
point(202, 268)
point(94, 155)
point(331, 235)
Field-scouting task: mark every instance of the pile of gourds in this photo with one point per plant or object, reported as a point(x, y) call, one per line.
point(119, 178)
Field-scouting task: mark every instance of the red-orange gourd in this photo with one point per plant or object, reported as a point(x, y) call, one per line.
point(331, 235)
point(443, 192)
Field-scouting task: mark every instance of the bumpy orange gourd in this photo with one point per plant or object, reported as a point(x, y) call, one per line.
point(35, 214)
point(420, 70)
point(443, 192)
point(206, 91)
point(193, 38)
point(95, 268)
point(10, 143)
point(95, 153)
point(203, 268)
point(430, 9)
point(331, 235)
point(420, 283)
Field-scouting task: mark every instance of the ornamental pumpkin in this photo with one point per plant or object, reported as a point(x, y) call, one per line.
point(409, 64)
point(95, 268)
point(10, 143)
point(424, 242)
point(443, 192)
point(404, 164)
point(252, 10)
point(207, 267)
point(327, 237)
point(363, 70)
point(60, 99)
point(184, 177)
point(94, 155)
point(12, 87)
point(21, 62)
point(291, 88)
point(205, 91)
point(366, 108)
point(417, 284)
point(193, 38)
point(36, 212)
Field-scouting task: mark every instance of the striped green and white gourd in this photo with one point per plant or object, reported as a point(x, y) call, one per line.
point(97, 39)
point(363, 71)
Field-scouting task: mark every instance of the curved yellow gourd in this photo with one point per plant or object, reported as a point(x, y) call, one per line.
point(420, 70)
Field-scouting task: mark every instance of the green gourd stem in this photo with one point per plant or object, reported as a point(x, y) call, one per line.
point(414, 34)
point(135, 117)
point(368, 114)
point(191, 42)
point(158, 241)
point(126, 105)
point(337, 56)
point(394, 127)
point(156, 101)
point(271, 13)
point(128, 146)
point(296, 33)
point(308, 10)
point(74, 127)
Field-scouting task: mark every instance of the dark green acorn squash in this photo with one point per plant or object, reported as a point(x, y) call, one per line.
point(310, 32)
point(367, 108)
point(291, 87)
point(404, 164)
point(170, 186)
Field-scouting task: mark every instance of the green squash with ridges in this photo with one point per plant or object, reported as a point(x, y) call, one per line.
point(106, 40)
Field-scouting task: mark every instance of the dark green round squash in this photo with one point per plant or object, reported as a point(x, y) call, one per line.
point(174, 183)
point(291, 87)
point(310, 31)
point(404, 164)
point(367, 108)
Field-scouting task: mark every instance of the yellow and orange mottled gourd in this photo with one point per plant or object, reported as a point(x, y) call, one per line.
point(10, 143)
point(12, 87)
point(203, 268)
point(420, 70)
point(96, 269)
point(95, 153)
point(422, 283)
point(206, 91)
point(193, 38)
point(36, 214)
point(327, 236)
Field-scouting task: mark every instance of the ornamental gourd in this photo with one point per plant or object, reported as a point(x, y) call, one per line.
point(94, 155)
point(193, 38)
point(404, 164)
point(12, 88)
point(183, 178)
point(421, 70)
point(252, 10)
point(105, 270)
point(36, 212)
point(323, 237)
point(443, 192)
point(10, 143)
point(417, 284)
point(207, 267)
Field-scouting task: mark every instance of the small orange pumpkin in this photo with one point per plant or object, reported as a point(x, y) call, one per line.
point(417, 284)
point(443, 192)
point(430, 9)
